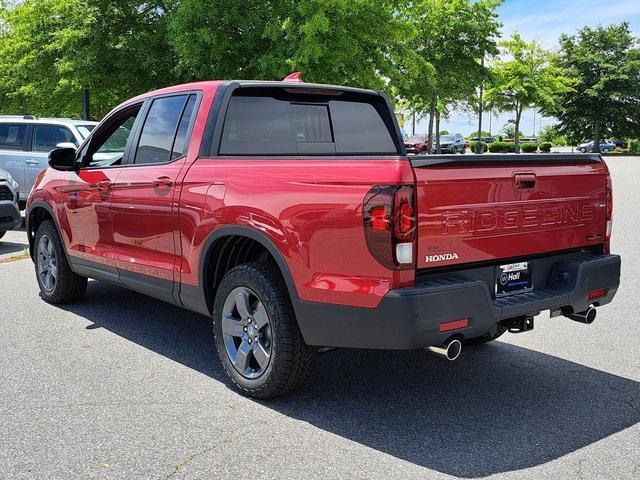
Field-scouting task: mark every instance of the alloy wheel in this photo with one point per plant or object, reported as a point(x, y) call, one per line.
point(47, 262)
point(246, 331)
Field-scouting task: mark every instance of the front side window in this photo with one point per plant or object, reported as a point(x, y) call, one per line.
point(266, 125)
point(12, 136)
point(109, 143)
point(159, 130)
point(47, 137)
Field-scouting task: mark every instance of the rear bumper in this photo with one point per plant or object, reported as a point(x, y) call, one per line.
point(409, 318)
point(9, 216)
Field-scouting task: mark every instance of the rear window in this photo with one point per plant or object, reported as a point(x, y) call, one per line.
point(266, 125)
point(47, 137)
point(12, 136)
point(159, 130)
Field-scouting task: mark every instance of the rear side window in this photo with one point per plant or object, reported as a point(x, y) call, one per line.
point(159, 130)
point(46, 137)
point(12, 136)
point(181, 144)
point(265, 125)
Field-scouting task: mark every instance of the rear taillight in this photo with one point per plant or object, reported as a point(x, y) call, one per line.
point(609, 193)
point(390, 225)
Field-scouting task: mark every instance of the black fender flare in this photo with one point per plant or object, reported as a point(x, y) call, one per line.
point(44, 205)
point(262, 239)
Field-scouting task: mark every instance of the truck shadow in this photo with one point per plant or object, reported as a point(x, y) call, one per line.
point(500, 408)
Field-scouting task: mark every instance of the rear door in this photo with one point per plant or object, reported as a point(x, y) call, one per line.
point(143, 197)
point(481, 210)
point(13, 154)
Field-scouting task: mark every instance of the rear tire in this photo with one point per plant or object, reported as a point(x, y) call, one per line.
point(58, 283)
point(582, 150)
point(496, 331)
point(2, 234)
point(256, 332)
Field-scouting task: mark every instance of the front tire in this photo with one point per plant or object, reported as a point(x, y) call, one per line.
point(58, 283)
point(605, 150)
point(582, 150)
point(256, 332)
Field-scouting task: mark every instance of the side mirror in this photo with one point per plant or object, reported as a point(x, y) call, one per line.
point(63, 159)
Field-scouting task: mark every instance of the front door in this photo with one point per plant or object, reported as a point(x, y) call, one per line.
point(144, 195)
point(89, 191)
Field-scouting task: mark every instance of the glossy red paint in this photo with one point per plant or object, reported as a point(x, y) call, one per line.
point(491, 214)
point(311, 209)
point(155, 220)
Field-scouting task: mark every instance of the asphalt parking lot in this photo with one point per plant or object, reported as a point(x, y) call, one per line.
point(124, 386)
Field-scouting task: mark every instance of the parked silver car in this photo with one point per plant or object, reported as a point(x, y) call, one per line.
point(9, 212)
point(25, 143)
point(606, 146)
point(451, 144)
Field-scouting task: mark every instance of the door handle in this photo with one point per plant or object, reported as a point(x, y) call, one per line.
point(103, 185)
point(164, 182)
point(32, 162)
point(524, 181)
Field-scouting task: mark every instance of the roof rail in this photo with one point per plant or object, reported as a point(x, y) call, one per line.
point(29, 117)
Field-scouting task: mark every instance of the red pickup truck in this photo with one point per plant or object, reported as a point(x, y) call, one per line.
point(290, 214)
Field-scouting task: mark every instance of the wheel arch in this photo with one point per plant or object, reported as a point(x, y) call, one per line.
point(238, 240)
point(37, 213)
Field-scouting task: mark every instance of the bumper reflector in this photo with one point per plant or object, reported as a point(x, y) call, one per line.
point(601, 292)
point(454, 325)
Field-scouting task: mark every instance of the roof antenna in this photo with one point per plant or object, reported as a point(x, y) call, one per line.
point(294, 77)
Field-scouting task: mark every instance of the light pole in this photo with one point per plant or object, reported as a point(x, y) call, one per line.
point(479, 142)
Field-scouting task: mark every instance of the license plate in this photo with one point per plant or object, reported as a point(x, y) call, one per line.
point(513, 278)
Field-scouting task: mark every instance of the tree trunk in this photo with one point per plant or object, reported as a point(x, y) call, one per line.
point(596, 138)
point(517, 134)
point(432, 112)
point(438, 148)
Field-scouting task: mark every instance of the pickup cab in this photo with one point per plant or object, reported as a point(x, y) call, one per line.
point(290, 215)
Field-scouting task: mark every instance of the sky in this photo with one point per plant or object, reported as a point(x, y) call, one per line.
point(544, 21)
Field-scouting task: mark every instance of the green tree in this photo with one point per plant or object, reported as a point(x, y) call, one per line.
point(550, 133)
point(349, 42)
point(605, 99)
point(449, 39)
point(50, 50)
point(524, 78)
point(509, 130)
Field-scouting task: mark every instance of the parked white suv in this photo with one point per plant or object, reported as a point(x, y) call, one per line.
point(25, 143)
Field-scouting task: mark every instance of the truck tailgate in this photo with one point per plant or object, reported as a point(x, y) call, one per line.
point(490, 207)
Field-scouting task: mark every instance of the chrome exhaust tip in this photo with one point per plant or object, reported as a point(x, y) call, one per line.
point(588, 316)
point(450, 349)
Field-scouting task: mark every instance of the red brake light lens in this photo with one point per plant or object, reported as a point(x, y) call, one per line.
point(601, 292)
point(390, 225)
point(380, 218)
